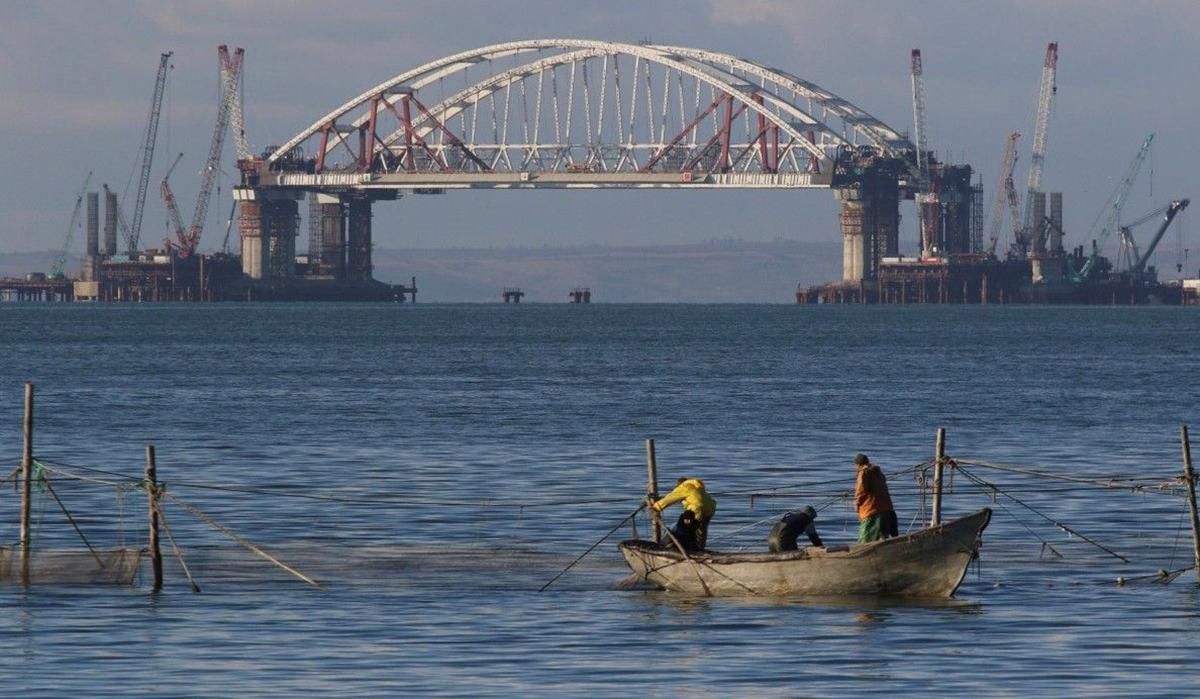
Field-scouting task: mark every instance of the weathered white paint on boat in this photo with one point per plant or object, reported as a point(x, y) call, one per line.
point(927, 563)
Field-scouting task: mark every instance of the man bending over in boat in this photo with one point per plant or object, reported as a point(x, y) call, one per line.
point(876, 516)
point(785, 532)
point(698, 510)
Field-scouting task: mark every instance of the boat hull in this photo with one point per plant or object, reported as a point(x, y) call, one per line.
point(927, 563)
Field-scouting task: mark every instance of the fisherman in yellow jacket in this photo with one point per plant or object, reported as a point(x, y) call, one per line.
point(698, 509)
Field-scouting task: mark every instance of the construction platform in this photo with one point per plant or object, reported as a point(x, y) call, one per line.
point(969, 280)
point(36, 287)
point(959, 279)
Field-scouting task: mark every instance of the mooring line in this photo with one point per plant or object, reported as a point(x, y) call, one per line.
point(1056, 523)
point(71, 519)
point(231, 534)
point(592, 548)
point(162, 518)
point(1015, 518)
point(1155, 485)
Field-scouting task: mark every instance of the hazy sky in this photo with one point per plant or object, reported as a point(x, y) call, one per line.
point(76, 79)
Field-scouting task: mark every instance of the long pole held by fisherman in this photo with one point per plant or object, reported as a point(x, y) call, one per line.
point(592, 547)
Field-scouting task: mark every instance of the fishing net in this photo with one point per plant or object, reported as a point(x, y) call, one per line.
point(70, 567)
point(79, 530)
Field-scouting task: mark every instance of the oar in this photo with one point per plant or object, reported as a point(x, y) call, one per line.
point(592, 547)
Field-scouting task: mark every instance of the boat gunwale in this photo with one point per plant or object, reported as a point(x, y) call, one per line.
point(852, 551)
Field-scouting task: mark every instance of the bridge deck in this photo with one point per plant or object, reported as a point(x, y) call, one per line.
point(548, 180)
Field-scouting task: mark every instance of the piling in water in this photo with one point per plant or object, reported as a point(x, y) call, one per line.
point(152, 497)
point(26, 474)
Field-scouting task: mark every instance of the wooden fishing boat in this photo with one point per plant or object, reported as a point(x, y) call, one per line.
point(928, 563)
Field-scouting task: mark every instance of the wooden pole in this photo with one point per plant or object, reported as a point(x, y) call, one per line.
point(652, 484)
point(152, 497)
point(1190, 477)
point(26, 478)
point(939, 456)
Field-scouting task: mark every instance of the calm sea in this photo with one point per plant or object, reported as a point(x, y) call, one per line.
point(434, 466)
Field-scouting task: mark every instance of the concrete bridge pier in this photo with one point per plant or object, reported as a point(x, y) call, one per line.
point(358, 239)
point(870, 224)
point(331, 255)
point(268, 223)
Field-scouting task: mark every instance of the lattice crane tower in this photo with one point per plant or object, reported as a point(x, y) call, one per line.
point(151, 137)
point(1049, 88)
point(1004, 186)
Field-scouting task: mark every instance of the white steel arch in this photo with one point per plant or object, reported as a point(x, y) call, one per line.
point(579, 113)
point(475, 93)
point(724, 72)
point(880, 134)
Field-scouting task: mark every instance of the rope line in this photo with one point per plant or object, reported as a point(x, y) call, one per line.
point(71, 519)
point(1112, 483)
point(162, 520)
point(1056, 523)
point(232, 535)
point(593, 546)
point(385, 499)
point(1018, 520)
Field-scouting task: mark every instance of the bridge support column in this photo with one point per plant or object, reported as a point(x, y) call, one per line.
point(268, 223)
point(331, 254)
point(110, 223)
point(358, 240)
point(250, 229)
point(281, 223)
point(854, 248)
point(870, 224)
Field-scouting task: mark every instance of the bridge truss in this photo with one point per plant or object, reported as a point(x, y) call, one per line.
point(566, 113)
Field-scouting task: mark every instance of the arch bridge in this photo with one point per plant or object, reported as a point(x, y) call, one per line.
point(573, 114)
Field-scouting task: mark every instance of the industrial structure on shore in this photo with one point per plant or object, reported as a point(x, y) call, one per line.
point(338, 267)
point(556, 114)
point(954, 264)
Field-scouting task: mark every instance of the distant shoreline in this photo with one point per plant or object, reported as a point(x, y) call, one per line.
point(715, 271)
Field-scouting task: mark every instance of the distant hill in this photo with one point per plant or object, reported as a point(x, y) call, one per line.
point(720, 271)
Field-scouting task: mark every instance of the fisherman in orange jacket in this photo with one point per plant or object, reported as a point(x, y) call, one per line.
point(876, 515)
point(698, 509)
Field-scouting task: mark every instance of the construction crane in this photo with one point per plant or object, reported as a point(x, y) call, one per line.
point(228, 227)
point(230, 67)
point(1005, 191)
point(1020, 233)
point(927, 197)
point(1115, 203)
point(1138, 260)
point(918, 98)
point(60, 261)
point(133, 232)
point(236, 122)
point(1046, 93)
point(168, 198)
